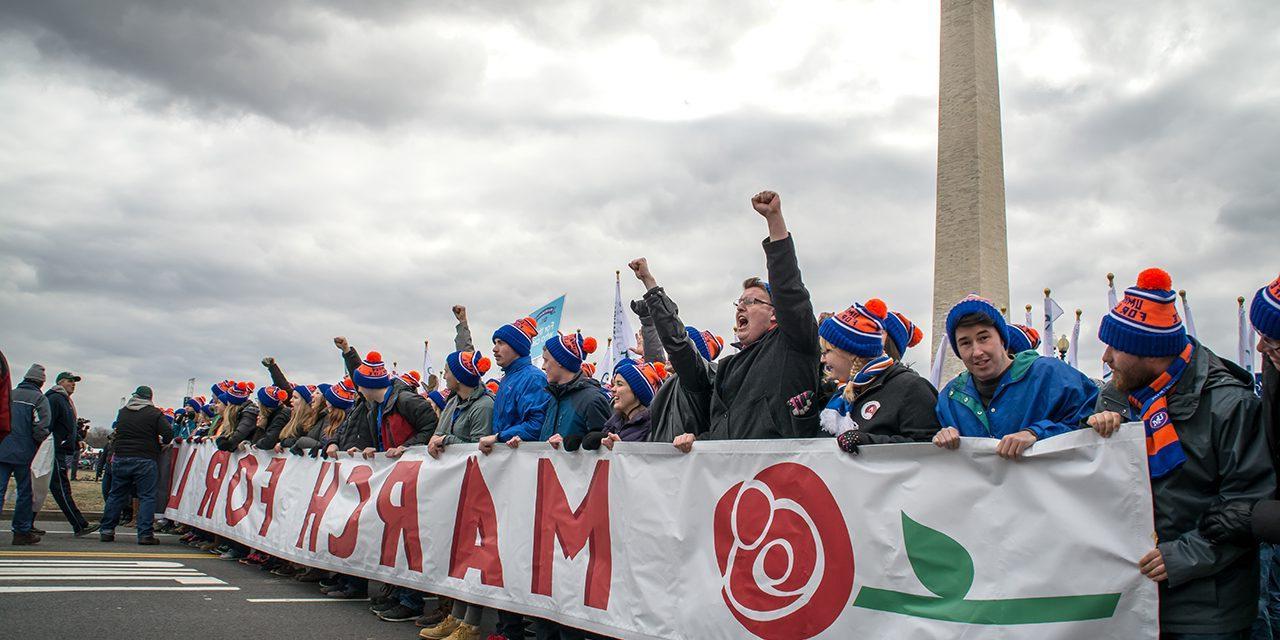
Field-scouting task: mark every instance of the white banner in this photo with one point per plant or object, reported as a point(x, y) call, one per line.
point(781, 539)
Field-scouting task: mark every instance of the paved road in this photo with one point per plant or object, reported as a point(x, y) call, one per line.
point(82, 588)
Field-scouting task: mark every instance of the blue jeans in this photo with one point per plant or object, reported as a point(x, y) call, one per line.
point(128, 475)
point(1267, 625)
point(22, 515)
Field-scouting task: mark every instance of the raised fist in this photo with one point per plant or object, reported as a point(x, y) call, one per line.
point(341, 343)
point(268, 361)
point(640, 266)
point(767, 203)
point(460, 312)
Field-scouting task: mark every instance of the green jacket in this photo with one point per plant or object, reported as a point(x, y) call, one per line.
point(1211, 588)
point(466, 420)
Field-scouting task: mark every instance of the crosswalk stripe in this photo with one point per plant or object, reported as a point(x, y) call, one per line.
point(62, 588)
point(35, 570)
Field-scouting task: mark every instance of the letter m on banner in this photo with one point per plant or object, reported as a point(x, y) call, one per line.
point(588, 526)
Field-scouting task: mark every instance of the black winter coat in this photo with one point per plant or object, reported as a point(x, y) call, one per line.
point(896, 407)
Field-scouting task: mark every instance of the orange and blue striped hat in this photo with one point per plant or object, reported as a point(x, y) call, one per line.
point(272, 396)
point(1264, 313)
point(857, 330)
point(709, 345)
point(1146, 322)
point(519, 335)
point(238, 392)
point(644, 378)
point(341, 395)
point(1023, 338)
point(372, 372)
point(570, 350)
point(467, 366)
point(412, 378)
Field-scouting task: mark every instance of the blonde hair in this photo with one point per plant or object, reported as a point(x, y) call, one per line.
point(299, 421)
point(230, 417)
point(850, 392)
point(335, 418)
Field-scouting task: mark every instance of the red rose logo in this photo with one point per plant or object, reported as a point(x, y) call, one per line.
point(784, 553)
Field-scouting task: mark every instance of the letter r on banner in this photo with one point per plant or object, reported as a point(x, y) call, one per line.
point(401, 521)
point(587, 526)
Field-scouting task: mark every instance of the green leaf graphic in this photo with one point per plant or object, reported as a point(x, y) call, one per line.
point(940, 563)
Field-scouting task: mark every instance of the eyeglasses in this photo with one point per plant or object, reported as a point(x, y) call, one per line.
point(747, 303)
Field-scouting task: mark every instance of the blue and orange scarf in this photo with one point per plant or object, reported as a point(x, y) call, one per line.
point(835, 417)
point(1164, 451)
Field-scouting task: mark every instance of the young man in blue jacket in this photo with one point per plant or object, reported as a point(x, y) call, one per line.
point(30, 417)
point(520, 406)
point(1018, 399)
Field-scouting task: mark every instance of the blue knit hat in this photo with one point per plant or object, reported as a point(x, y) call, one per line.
point(570, 350)
point(207, 410)
point(644, 378)
point(439, 398)
point(341, 395)
point(238, 392)
point(468, 367)
point(306, 392)
point(1264, 313)
point(973, 303)
point(219, 391)
point(903, 332)
point(1146, 322)
point(708, 344)
point(519, 335)
point(179, 412)
point(1023, 338)
point(195, 404)
point(270, 397)
point(856, 330)
point(372, 372)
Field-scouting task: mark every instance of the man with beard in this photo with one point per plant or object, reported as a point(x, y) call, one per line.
point(1205, 445)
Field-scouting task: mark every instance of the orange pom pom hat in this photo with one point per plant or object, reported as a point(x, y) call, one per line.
point(644, 378)
point(1146, 322)
point(468, 367)
point(571, 350)
point(857, 330)
point(372, 373)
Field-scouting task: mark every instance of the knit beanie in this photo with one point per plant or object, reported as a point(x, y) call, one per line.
point(570, 350)
point(169, 415)
point(1023, 338)
point(413, 379)
point(644, 378)
point(305, 391)
point(439, 398)
point(1264, 313)
point(271, 396)
point(903, 332)
point(179, 412)
point(589, 369)
point(372, 373)
point(856, 330)
point(219, 390)
point(973, 303)
point(195, 403)
point(708, 344)
point(1146, 321)
point(519, 335)
point(341, 395)
point(207, 410)
point(239, 392)
point(493, 386)
point(468, 367)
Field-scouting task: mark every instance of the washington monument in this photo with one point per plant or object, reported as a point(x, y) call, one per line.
point(971, 252)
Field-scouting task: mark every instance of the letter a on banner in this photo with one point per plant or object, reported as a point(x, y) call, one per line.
point(475, 531)
point(588, 526)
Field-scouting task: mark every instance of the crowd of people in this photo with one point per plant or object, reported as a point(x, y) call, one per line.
point(1211, 440)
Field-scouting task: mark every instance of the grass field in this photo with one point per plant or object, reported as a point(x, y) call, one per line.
point(88, 495)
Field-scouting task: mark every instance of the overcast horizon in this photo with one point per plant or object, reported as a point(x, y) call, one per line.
point(187, 189)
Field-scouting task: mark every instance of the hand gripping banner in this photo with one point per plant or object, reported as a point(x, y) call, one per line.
point(779, 540)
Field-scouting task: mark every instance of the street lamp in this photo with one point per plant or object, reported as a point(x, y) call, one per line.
point(1063, 345)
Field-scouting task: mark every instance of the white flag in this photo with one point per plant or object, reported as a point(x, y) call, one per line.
point(939, 357)
point(426, 361)
point(1051, 312)
point(624, 339)
point(1186, 314)
point(1244, 350)
point(604, 373)
point(1073, 350)
point(1111, 304)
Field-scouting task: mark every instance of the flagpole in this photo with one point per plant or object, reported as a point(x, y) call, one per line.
point(1030, 321)
point(1046, 341)
point(1244, 337)
point(1111, 304)
point(1073, 350)
point(1186, 313)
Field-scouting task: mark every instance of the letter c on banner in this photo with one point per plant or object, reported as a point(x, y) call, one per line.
point(784, 553)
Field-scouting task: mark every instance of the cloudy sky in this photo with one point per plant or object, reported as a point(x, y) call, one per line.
point(186, 189)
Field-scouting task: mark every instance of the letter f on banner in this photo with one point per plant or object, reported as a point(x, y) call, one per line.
point(588, 526)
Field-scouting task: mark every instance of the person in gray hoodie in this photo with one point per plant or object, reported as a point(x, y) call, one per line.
point(141, 430)
point(29, 416)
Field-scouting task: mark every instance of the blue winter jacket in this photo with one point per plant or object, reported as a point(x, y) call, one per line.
point(29, 424)
point(1043, 395)
point(521, 404)
point(575, 408)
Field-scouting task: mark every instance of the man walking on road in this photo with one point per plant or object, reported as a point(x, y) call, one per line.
point(64, 431)
point(28, 413)
point(141, 428)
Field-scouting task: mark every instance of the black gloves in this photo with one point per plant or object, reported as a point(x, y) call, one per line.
point(850, 440)
point(1229, 523)
point(641, 308)
point(572, 443)
point(224, 444)
point(591, 441)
